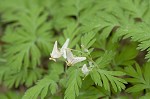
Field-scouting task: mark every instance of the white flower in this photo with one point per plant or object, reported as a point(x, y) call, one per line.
point(56, 53)
point(71, 60)
point(64, 47)
point(85, 70)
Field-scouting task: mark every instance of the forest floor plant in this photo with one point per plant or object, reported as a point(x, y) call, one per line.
point(74, 49)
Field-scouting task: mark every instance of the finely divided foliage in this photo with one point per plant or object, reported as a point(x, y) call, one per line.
point(107, 49)
point(41, 88)
point(73, 84)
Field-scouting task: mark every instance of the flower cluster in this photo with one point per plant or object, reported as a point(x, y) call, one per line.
point(68, 55)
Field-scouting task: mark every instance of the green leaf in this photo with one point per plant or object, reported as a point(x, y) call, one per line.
point(90, 93)
point(11, 94)
point(125, 59)
point(146, 96)
point(41, 88)
point(136, 88)
point(73, 84)
point(88, 39)
point(27, 77)
point(96, 77)
point(138, 77)
point(26, 42)
point(108, 77)
point(105, 59)
point(136, 8)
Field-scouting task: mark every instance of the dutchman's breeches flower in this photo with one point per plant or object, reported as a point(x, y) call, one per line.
point(56, 53)
point(71, 60)
point(85, 70)
point(66, 53)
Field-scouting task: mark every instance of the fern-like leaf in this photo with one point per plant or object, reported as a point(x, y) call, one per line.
point(27, 77)
point(105, 59)
point(25, 43)
point(105, 78)
point(140, 80)
point(41, 89)
point(73, 84)
point(88, 39)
